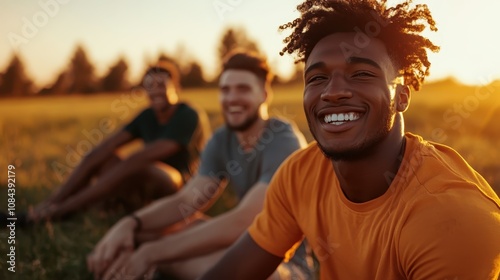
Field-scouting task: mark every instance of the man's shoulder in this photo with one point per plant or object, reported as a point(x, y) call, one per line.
point(439, 169)
point(145, 113)
point(221, 130)
point(305, 156)
point(281, 131)
point(188, 109)
point(281, 125)
point(430, 161)
point(147, 110)
point(310, 151)
point(435, 177)
point(220, 135)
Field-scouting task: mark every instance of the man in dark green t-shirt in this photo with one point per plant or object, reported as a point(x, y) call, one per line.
point(173, 133)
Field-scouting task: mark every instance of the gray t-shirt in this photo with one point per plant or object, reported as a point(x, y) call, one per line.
point(224, 157)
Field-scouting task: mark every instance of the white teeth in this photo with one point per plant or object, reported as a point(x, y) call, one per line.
point(338, 119)
point(234, 109)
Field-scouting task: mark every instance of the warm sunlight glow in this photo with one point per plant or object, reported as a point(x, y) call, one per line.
point(45, 33)
point(468, 38)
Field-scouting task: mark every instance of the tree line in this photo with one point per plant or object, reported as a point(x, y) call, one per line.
point(79, 75)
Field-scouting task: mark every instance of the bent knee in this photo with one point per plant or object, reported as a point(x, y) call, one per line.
point(109, 163)
point(165, 175)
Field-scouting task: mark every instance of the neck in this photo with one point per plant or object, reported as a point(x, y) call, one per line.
point(368, 178)
point(164, 114)
point(250, 136)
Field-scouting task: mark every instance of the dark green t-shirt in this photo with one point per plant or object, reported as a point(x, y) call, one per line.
point(180, 128)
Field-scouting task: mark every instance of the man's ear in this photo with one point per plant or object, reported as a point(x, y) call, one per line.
point(265, 95)
point(402, 98)
point(268, 94)
point(171, 93)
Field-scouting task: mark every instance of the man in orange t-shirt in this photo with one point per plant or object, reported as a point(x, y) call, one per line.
point(373, 201)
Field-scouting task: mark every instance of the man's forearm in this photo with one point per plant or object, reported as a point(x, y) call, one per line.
point(176, 247)
point(180, 206)
point(208, 237)
point(258, 264)
point(200, 239)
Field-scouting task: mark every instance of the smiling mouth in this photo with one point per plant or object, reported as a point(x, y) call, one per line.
point(234, 109)
point(338, 119)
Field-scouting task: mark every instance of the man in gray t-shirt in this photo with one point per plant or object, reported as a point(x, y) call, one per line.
point(225, 158)
point(245, 152)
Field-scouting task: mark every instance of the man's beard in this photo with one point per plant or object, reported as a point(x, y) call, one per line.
point(246, 123)
point(366, 147)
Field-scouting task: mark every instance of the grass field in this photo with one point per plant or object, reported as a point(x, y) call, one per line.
point(44, 138)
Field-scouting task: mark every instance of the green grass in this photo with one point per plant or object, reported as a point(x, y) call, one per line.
point(41, 134)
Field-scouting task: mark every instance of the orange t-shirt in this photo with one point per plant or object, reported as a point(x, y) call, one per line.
point(439, 219)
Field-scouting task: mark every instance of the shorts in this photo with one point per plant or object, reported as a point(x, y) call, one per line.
point(300, 267)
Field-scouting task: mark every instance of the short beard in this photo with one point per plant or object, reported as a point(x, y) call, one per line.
point(365, 148)
point(246, 124)
point(355, 153)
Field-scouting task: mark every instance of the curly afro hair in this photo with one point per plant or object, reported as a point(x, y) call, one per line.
point(397, 27)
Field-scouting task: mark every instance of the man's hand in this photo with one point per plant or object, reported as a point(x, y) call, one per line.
point(47, 212)
point(131, 265)
point(42, 205)
point(118, 239)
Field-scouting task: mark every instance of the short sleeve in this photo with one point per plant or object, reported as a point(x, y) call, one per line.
point(134, 127)
point(285, 141)
point(183, 125)
point(275, 229)
point(211, 157)
point(452, 235)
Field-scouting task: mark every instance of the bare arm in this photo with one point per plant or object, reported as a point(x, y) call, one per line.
point(158, 150)
point(89, 164)
point(244, 260)
point(209, 236)
point(198, 194)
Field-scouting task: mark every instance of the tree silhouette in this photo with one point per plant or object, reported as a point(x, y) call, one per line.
point(116, 80)
point(60, 86)
point(81, 73)
point(193, 77)
point(236, 37)
point(14, 81)
point(191, 70)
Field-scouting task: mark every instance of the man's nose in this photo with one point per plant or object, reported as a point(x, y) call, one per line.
point(337, 89)
point(230, 96)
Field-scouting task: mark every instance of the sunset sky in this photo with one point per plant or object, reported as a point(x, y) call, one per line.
point(46, 32)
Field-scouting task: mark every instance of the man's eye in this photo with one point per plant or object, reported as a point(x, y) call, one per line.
point(315, 79)
point(243, 89)
point(362, 74)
